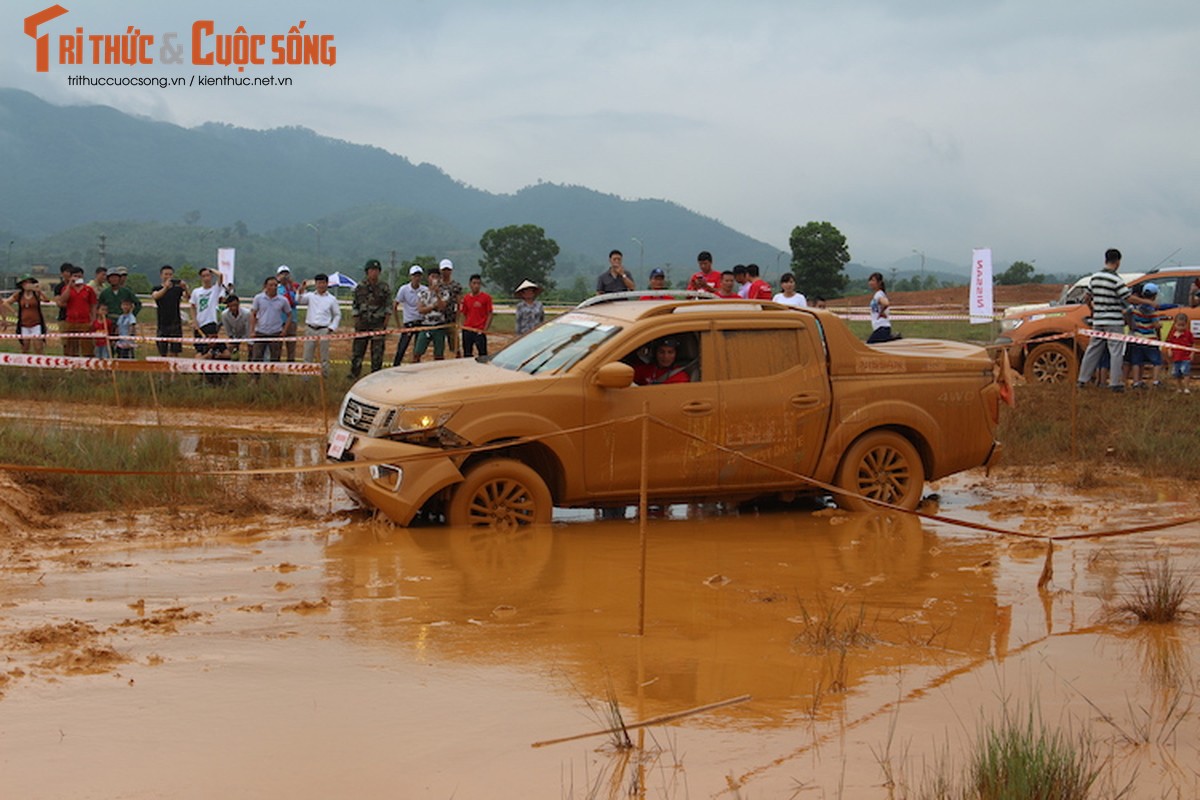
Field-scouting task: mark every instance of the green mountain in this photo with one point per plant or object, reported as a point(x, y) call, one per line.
point(292, 196)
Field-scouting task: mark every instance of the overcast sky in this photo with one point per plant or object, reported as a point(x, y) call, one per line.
point(1046, 131)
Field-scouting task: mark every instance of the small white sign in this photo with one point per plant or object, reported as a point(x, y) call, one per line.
point(339, 442)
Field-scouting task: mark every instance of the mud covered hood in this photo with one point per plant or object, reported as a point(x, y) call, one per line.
point(430, 382)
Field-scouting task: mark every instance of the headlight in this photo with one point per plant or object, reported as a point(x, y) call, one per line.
point(1011, 324)
point(413, 419)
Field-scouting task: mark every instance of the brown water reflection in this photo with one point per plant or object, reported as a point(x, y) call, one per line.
point(728, 603)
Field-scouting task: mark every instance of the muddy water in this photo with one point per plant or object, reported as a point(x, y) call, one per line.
point(349, 658)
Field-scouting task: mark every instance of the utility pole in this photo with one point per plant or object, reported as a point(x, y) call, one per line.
point(103, 251)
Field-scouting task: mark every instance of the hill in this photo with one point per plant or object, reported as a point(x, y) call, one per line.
point(314, 201)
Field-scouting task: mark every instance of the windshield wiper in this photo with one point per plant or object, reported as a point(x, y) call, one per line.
point(557, 349)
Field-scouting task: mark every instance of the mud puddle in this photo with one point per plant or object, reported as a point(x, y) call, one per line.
point(337, 657)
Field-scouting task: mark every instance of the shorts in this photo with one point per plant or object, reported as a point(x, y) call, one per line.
point(32, 332)
point(1144, 354)
point(1181, 369)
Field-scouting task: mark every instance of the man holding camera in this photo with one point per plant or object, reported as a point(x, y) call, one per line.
point(167, 297)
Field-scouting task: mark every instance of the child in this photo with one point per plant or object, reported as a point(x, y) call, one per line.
point(1143, 322)
point(100, 326)
point(126, 329)
point(530, 313)
point(1181, 360)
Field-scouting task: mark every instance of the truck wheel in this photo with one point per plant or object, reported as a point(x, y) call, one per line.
point(1050, 363)
point(500, 492)
point(881, 465)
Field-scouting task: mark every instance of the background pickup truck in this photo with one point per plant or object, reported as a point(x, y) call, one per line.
point(1045, 343)
point(763, 400)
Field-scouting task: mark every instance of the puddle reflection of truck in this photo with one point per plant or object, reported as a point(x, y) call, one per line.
point(761, 396)
point(725, 601)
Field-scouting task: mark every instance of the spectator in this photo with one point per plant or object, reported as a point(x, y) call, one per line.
point(1181, 360)
point(113, 295)
point(742, 278)
point(432, 300)
point(371, 308)
point(615, 278)
point(1143, 322)
point(658, 283)
point(454, 291)
point(236, 324)
point(323, 317)
point(206, 304)
point(31, 324)
point(1109, 293)
point(100, 341)
point(881, 322)
point(79, 304)
point(728, 287)
point(287, 289)
point(268, 314)
point(759, 289)
point(530, 313)
point(705, 278)
point(789, 296)
point(407, 313)
point(663, 368)
point(65, 275)
point(1194, 293)
point(126, 329)
point(167, 296)
point(100, 282)
point(476, 311)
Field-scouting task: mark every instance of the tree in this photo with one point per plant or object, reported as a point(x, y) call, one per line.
point(517, 253)
point(1017, 273)
point(192, 217)
point(818, 256)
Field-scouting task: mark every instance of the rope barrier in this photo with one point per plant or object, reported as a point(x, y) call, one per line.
point(467, 451)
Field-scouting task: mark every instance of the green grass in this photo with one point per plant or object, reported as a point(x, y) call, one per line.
point(1148, 430)
point(107, 449)
point(1018, 758)
point(1159, 595)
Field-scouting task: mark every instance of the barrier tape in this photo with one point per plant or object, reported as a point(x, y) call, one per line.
point(1131, 339)
point(157, 364)
point(192, 340)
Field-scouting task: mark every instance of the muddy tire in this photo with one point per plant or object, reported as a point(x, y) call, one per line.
point(881, 465)
point(1050, 363)
point(500, 493)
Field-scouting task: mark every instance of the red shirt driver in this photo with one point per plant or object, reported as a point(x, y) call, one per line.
point(663, 368)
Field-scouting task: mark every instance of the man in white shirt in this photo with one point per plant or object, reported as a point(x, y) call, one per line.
point(405, 307)
point(206, 303)
point(323, 317)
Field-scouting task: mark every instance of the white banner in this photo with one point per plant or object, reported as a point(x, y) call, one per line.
point(980, 305)
point(225, 257)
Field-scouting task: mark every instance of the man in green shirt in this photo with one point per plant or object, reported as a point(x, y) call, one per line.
point(114, 293)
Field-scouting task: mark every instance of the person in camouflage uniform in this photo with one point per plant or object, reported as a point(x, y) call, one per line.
point(456, 292)
point(371, 307)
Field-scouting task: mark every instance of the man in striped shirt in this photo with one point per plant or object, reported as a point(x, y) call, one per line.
point(1109, 293)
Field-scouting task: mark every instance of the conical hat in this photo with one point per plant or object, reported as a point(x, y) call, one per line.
point(528, 284)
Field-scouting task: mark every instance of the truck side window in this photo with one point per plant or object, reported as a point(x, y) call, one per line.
point(685, 367)
point(761, 353)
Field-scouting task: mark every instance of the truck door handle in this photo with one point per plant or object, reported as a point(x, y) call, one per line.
point(698, 407)
point(805, 400)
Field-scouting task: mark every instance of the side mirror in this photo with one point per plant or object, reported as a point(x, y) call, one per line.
point(616, 375)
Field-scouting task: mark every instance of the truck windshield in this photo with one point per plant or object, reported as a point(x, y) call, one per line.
point(554, 347)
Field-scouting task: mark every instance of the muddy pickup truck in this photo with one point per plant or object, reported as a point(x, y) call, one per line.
point(727, 400)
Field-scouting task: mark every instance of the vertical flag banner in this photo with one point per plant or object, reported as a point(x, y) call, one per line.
point(225, 264)
point(981, 286)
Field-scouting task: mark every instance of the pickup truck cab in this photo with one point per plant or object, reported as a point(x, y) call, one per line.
point(773, 397)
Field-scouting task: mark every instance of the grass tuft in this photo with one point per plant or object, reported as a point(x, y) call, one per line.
point(1159, 596)
point(835, 626)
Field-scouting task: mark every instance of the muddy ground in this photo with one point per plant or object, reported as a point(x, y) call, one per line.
point(303, 649)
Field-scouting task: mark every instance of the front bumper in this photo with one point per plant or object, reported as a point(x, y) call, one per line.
point(396, 478)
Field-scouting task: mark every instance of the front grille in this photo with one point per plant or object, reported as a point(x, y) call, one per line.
point(359, 416)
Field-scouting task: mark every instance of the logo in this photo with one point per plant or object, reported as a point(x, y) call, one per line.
point(210, 46)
